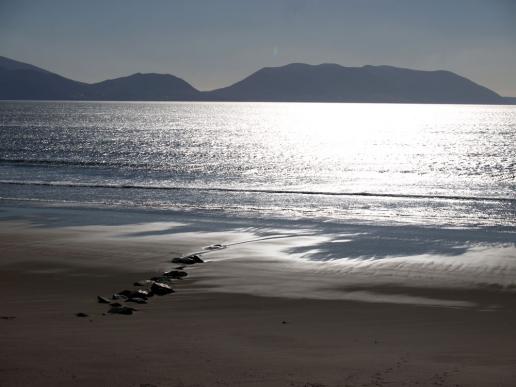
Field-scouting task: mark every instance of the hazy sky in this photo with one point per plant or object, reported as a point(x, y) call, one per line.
point(214, 43)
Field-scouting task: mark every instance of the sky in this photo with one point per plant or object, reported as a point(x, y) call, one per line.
point(213, 43)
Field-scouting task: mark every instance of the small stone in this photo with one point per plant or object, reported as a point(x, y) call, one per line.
point(189, 260)
point(283, 322)
point(118, 296)
point(121, 310)
point(137, 300)
point(216, 246)
point(102, 300)
point(7, 317)
point(81, 314)
point(161, 278)
point(183, 260)
point(161, 289)
point(140, 293)
point(175, 274)
point(196, 258)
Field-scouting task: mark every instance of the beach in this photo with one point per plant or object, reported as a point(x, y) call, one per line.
point(258, 194)
point(342, 244)
point(297, 327)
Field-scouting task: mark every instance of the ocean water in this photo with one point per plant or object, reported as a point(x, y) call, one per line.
point(452, 165)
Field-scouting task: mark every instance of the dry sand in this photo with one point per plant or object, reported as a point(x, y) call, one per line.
point(203, 336)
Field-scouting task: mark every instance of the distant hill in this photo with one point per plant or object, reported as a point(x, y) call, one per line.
point(23, 81)
point(334, 83)
point(144, 87)
point(295, 82)
point(11, 64)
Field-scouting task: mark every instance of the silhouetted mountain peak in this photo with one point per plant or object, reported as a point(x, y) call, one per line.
point(23, 81)
point(11, 64)
point(330, 82)
point(150, 77)
point(144, 86)
point(294, 82)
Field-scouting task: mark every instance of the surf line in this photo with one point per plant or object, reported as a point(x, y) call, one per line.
point(259, 190)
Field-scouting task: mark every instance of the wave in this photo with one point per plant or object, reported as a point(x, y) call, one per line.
point(257, 190)
point(79, 163)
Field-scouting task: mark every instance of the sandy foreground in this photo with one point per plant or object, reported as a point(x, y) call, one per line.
point(207, 334)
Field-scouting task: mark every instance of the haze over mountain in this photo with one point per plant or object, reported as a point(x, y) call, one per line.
point(295, 82)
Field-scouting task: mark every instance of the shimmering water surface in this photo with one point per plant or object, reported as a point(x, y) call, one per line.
point(424, 164)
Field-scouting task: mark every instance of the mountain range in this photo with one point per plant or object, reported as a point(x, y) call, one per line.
point(296, 82)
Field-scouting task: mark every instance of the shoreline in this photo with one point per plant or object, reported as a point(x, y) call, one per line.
point(205, 334)
point(364, 254)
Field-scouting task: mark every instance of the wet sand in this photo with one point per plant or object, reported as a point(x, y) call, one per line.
point(204, 335)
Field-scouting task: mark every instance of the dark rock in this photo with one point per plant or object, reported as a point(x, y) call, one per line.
point(80, 314)
point(161, 289)
point(121, 310)
point(7, 317)
point(137, 300)
point(216, 246)
point(118, 296)
point(103, 300)
point(175, 274)
point(196, 258)
point(140, 293)
point(183, 260)
point(161, 278)
point(189, 260)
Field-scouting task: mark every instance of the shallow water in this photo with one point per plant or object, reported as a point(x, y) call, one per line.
point(448, 165)
point(291, 258)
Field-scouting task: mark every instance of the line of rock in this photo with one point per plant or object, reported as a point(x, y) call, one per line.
point(156, 286)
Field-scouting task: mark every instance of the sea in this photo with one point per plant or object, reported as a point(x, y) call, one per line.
point(445, 165)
